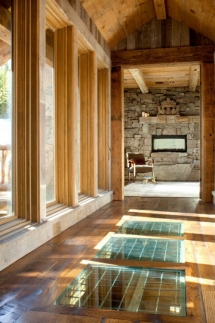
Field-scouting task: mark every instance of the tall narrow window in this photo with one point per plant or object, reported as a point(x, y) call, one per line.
point(50, 118)
point(6, 209)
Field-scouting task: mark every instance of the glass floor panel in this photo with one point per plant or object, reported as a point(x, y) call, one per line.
point(143, 249)
point(132, 289)
point(152, 228)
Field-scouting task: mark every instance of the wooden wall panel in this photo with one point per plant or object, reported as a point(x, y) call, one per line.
point(117, 133)
point(29, 107)
point(207, 132)
point(162, 33)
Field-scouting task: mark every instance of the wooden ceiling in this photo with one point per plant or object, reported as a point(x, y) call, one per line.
point(162, 77)
point(117, 19)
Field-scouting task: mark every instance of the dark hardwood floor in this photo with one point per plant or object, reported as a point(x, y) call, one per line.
point(29, 287)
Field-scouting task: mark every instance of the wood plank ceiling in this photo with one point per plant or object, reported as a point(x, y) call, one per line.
point(117, 19)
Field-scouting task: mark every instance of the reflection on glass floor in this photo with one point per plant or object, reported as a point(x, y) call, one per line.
point(143, 249)
point(152, 228)
point(127, 289)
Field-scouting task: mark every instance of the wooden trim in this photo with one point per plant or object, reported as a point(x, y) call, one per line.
point(138, 58)
point(207, 132)
point(117, 133)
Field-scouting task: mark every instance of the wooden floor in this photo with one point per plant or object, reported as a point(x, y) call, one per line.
point(29, 287)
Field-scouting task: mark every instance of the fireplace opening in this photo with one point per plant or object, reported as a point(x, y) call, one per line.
point(169, 143)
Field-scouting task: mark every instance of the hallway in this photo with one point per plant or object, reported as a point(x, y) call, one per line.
point(29, 287)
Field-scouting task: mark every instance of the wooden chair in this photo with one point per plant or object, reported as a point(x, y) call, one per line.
point(136, 163)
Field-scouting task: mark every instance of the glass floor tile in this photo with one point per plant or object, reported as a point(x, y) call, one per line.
point(143, 249)
point(152, 228)
point(132, 289)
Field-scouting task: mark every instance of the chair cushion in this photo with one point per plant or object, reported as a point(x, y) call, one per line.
point(137, 161)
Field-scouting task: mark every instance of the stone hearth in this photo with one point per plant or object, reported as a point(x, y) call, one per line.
point(169, 166)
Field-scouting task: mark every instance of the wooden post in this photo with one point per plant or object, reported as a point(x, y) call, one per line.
point(88, 124)
point(103, 129)
point(66, 66)
point(29, 107)
point(117, 133)
point(207, 132)
point(72, 74)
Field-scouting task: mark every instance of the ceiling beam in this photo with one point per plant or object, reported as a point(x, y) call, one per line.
point(5, 25)
point(142, 57)
point(194, 77)
point(160, 9)
point(138, 76)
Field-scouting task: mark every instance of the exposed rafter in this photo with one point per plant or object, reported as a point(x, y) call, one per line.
point(160, 9)
point(194, 77)
point(5, 25)
point(138, 76)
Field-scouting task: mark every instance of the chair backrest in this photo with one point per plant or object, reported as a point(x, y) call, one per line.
point(139, 157)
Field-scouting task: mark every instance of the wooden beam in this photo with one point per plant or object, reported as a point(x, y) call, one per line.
point(5, 25)
point(138, 76)
point(117, 133)
point(207, 183)
point(5, 52)
point(160, 9)
point(194, 77)
point(138, 58)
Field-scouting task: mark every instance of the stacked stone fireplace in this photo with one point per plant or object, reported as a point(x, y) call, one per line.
point(170, 164)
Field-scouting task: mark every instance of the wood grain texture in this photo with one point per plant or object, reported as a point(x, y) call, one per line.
point(117, 133)
point(29, 287)
point(207, 131)
point(132, 58)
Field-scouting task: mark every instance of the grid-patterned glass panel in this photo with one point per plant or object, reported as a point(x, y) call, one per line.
point(152, 228)
point(143, 249)
point(127, 289)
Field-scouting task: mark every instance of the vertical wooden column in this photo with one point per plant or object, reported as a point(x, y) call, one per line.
point(207, 131)
point(104, 129)
point(66, 68)
point(117, 130)
point(29, 107)
point(89, 124)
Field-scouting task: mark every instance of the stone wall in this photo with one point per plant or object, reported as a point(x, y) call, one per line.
point(169, 166)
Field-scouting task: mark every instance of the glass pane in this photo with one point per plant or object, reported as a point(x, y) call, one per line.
point(5, 128)
point(131, 289)
point(152, 228)
point(143, 249)
point(50, 117)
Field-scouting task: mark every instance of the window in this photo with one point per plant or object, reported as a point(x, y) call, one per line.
point(50, 118)
point(6, 128)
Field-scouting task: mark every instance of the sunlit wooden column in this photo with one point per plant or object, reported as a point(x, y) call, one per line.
point(88, 124)
point(207, 132)
point(117, 133)
point(29, 107)
point(104, 129)
point(66, 76)
point(73, 111)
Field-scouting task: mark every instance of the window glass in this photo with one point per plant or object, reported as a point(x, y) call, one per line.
point(5, 127)
point(50, 118)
